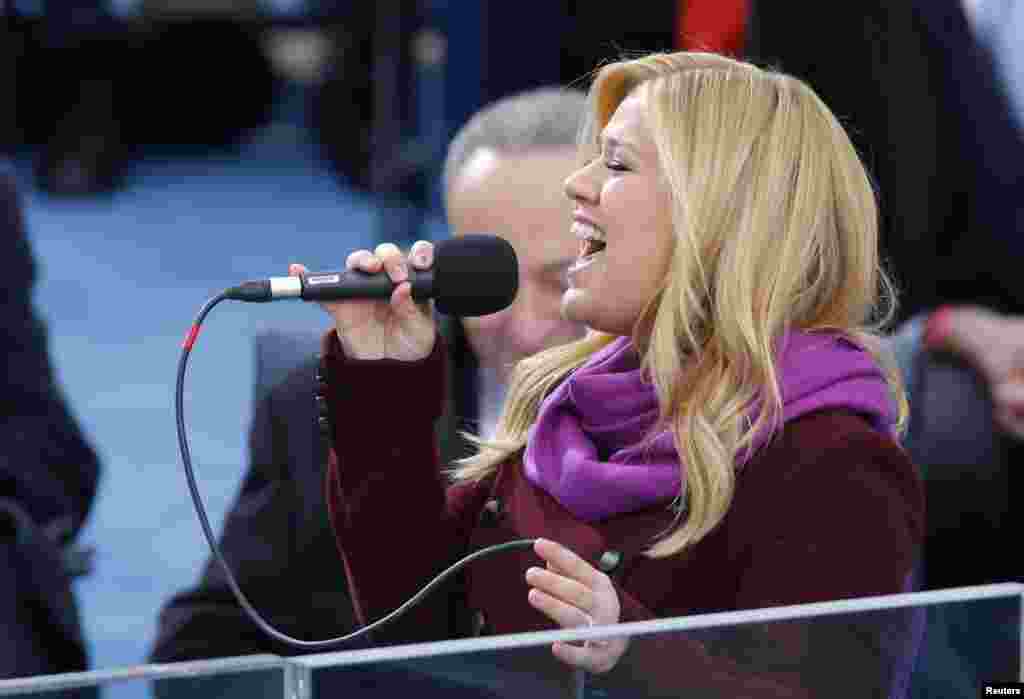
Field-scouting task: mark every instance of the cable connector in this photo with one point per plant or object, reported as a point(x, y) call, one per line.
point(252, 291)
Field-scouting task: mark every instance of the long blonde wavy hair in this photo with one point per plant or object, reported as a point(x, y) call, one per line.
point(776, 228)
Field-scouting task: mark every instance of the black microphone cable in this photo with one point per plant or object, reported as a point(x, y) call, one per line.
point(204, 521)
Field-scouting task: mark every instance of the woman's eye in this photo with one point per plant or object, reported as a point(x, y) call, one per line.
point(615, 165)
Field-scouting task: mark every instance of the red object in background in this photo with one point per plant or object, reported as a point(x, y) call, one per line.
point(718, 26)
point(937, 327)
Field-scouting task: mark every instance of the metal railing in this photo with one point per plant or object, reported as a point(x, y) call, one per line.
point(297, 675)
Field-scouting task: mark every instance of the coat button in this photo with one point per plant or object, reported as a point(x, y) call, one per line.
point(321, 405)
point(492, 511)
point(324, 424)
point(609, 561)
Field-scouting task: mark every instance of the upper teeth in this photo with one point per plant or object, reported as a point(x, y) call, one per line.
point(585, 231)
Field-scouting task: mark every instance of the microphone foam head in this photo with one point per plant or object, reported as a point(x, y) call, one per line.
point(474, 275)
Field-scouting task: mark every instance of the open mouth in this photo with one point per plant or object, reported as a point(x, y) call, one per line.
point(590, 249)
point(590, 246)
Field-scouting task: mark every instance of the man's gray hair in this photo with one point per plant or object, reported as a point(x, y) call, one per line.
point(544, 117)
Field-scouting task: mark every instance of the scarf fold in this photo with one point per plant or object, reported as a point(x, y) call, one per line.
point(587, 448)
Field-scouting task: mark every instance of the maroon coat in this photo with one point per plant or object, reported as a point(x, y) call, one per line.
point(830, 509)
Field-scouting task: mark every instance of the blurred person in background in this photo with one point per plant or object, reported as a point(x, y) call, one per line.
point(999, 26)
point(991, 343)
point(503, 175)
point(48, 479)
point(170, 79)
point(72, 129)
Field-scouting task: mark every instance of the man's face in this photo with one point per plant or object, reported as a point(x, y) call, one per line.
point(519, 196)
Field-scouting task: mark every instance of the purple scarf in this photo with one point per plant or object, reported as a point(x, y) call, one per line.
point(587, 447)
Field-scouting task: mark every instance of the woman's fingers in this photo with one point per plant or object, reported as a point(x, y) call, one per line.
point(573, 593)
point(421, 255)
point(1009, 400)
point(388, 257)
point(594, 656)
point(393, 261)
point(571, 654)
point(363, 260)
point(566, 615)
point(564, 561)
point(561, 587)
point(386, 328)
point(1010, 421)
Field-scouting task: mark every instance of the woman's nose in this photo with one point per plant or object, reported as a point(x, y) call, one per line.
point(580, 186)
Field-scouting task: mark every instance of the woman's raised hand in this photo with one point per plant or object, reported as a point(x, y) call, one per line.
point(396, 328)
point(573, 593)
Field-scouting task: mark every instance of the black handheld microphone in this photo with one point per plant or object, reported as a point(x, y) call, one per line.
point(472, 275)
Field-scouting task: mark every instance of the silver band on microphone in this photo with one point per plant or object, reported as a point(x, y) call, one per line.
point(285, 287)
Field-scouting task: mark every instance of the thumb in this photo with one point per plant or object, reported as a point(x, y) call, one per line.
point(404, 306)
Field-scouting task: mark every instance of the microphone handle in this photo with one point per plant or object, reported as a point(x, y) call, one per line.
point(357, 284)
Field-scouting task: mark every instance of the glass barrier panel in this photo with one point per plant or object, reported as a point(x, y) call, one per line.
point(246, 677)
point(911, 646)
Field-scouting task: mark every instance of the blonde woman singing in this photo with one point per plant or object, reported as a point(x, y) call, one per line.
point(723, 437)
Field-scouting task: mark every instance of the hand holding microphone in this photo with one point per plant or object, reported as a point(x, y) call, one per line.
point(395, 327)
point(378, 301)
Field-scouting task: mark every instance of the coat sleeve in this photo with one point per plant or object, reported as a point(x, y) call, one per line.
point(396, 524)
point(831, 511)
